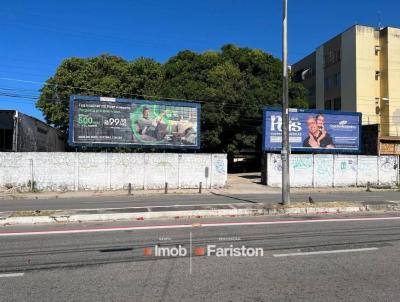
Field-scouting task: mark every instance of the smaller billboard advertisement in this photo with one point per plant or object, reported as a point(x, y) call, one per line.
point(313, 130)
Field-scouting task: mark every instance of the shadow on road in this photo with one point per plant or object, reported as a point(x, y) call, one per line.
point(235, 198)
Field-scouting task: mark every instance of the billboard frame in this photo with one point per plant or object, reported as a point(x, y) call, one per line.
point(75, 97)
point(313, 150)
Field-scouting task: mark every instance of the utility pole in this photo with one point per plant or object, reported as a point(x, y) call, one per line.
point(285, 114)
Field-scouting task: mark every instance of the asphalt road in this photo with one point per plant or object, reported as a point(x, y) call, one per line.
point(307, 260)
point(160, 200)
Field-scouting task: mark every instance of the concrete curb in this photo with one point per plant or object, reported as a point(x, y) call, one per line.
point(179, 212)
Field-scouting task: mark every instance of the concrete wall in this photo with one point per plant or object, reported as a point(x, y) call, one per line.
point(112, 171)
point(328, 170)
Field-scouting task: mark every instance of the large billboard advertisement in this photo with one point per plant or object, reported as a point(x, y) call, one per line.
point(313, 130)
point(103, 121)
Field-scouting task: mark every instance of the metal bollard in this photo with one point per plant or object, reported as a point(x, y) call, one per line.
point(166, 188)
point(200, 187)
point(368, 186)
point(32, 184)
point(129, 189)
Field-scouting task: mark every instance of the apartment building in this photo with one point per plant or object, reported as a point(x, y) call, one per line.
point(358, 70)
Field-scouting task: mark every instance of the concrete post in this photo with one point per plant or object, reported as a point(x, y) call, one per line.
point(32, 186)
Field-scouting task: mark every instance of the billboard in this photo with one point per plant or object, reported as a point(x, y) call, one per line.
point(103, 121)
point(313, 130)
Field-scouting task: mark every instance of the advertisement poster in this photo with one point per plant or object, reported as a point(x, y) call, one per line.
point(138, 123)
point(313, 130)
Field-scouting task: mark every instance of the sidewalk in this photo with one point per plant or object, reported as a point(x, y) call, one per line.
point(190, 212)
point(85, 194)
point(242, 183)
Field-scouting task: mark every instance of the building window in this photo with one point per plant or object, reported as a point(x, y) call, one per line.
point(311, 91)
point(332, 57)
point(337, 79)
point(333, 81)
point(337, 104)
point(328, 83)
point(328, 105)
point(6, 139)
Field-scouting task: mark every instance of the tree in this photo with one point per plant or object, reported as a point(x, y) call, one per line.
point(104, 75)
point(232, 86)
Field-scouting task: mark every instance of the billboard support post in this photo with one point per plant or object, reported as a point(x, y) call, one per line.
point(285, 114)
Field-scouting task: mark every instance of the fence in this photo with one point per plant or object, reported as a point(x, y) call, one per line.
point(111, 171)
point(334, 170)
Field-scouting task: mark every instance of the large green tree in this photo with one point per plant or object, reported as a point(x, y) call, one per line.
point(232, 84)
point(104, 75)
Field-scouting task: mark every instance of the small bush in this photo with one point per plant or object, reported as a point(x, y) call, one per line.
point(34, 189)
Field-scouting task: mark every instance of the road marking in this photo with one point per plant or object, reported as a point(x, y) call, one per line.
point(327, 252)
point(108, 201)
point(11, 275)
point(186, 226)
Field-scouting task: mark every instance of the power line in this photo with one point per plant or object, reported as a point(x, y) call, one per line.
point(130, 94)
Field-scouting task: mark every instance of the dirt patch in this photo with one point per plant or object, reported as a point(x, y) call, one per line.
point(32, 213)
point(333, 204)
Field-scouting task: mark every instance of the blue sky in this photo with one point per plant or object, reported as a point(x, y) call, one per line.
point(37, 35)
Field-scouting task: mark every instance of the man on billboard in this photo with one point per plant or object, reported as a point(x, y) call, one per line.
point(184, 131)
point(317, 135)
point(147, 127)
point(325, 140)
point(320, 119)
point(168, 127)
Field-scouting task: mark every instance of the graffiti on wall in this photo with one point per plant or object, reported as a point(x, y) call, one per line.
point(339, 170)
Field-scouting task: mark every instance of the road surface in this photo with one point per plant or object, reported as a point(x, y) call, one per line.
point(304, 259)
point(160, 200)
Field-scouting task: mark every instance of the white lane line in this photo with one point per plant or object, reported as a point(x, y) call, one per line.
point(327, 252)
point(186, 226)
point(114, 201)
point(11, 275)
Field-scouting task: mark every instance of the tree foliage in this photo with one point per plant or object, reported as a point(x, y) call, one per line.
point(232, 85)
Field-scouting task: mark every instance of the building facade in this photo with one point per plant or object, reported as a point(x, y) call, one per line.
point(22, 133)
point(358, 70)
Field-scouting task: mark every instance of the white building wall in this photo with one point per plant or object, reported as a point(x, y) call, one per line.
point(348, 70)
